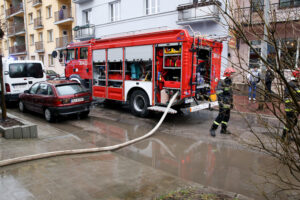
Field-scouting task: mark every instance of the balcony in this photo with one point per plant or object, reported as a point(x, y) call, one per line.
point(36, 3)
point(15, 10)
point(17, 50)
point(277, 13)
point(38, 23)
point(80, 1)
point(39, 47)
point(85, 32)
point(63, 16)
point(17, 29)
point(197, 12)
point(62, 42)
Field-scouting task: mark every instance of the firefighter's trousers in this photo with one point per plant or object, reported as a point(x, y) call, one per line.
point(291, 122)
point(222, 118)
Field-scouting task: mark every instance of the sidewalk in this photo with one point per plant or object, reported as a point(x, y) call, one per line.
point(242, 104)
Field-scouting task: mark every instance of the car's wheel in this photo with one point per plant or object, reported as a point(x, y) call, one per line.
point(48, 115)
point(22, 107)
point(84, 114)
point(139, 103)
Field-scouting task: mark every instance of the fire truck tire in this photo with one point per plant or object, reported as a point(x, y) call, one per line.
point(139, 103)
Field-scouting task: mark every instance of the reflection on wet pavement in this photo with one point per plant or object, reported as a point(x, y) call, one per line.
point(181, 148)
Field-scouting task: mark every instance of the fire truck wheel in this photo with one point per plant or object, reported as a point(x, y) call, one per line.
point(139, 103)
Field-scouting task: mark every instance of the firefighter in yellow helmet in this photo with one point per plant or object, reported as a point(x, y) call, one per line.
point(225, 99)
point(290, 107)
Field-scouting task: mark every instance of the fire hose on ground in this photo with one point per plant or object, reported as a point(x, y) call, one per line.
point(88, 150)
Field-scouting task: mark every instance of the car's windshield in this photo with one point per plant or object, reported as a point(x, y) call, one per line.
point(69, 89)
point(20, 70)
point(51, 72)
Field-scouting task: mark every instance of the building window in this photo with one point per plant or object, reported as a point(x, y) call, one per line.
point(115, 11)
point(50, 60)
point(152, 6)
point(2, 10)
point(41, 36)
point(32, 39)
point(32, 57)
point(288, 3)
point(30, 17)
point(257, 5)
point(41, 58)
point(86, 16)
point(50, 35)
point(288, 52)
point(49, 11)
point(254, 60)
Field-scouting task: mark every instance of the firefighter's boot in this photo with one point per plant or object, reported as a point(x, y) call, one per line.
point(224, 129)
point(213, 129)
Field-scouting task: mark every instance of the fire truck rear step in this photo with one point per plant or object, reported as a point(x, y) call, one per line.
point(202, 106)
point(162, 109)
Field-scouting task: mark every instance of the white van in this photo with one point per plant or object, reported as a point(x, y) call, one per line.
point(20, 76)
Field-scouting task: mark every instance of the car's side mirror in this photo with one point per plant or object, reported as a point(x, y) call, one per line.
point(26, 91)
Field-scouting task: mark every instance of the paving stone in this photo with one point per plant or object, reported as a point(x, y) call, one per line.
point(26, 132)
point(17, 132)
point(33, 131)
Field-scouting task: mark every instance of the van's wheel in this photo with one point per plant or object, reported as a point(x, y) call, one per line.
point(22, 107)
point(48, 115)
point(139, 103)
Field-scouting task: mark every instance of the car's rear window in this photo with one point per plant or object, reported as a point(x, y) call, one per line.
point(69, 89)
point(20, 70)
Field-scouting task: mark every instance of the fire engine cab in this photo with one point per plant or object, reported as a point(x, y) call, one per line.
point(145, 70)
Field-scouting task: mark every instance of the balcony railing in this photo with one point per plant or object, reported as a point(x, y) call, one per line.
point(85, 32)
point(277, 13)
point(63, 14)
point(39, 46)
point(14, 9)
point(36, 3)
point(80, 1)
point(15, 29)
point(38, 23)
point(17, 49)
point(62, 42)
point(202, 11)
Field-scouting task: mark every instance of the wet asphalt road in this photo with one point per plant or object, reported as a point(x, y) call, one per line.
point(180, 153)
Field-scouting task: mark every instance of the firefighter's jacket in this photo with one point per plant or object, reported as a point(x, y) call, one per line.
point(289, 103)
point(225, 93)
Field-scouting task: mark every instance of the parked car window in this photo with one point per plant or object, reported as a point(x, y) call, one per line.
point(70, 89)
point(70, 54)
point(51, 72)
point(34, 88)
point(84, 53)
point(50, 90)
point(20, 70)
point(43, 89)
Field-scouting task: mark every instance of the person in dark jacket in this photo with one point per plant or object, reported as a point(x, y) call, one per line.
point(290, 107)
point(268, 80)
point(225, 99)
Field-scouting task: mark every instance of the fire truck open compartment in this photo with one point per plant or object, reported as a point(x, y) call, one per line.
point(169, 73)
point(203, 73)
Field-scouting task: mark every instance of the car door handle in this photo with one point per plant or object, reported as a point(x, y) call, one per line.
point(30, 82)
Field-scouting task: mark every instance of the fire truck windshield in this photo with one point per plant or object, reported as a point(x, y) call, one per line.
point(70, 54)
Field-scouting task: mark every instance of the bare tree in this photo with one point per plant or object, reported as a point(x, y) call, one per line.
point(250, 28)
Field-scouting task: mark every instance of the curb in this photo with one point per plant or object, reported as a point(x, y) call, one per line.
point(28, 130)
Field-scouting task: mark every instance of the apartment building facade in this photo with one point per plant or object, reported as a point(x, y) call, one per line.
point(107, 18)
point(34, 29)
point(284, 15)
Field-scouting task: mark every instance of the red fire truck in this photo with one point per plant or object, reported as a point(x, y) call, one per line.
point(145, 70)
